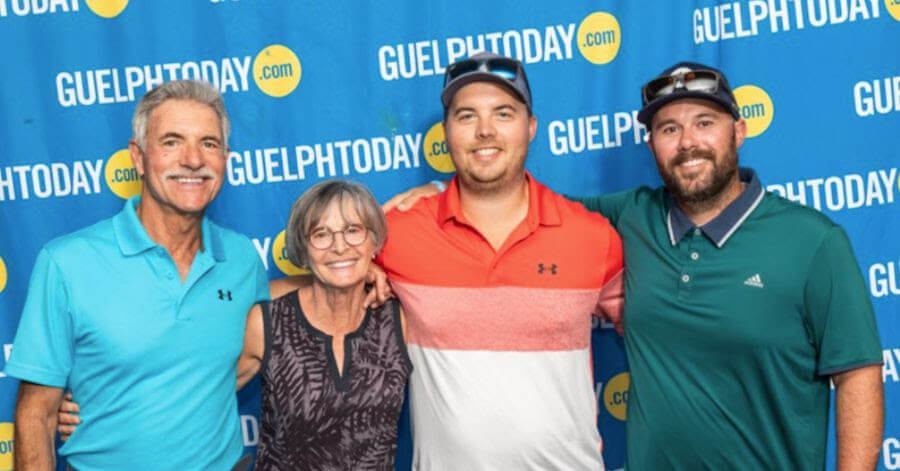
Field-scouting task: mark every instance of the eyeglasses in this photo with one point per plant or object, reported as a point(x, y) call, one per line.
point(705, 81)
point(500, 66)
point(323, 238)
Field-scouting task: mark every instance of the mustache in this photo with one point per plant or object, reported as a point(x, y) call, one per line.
point(684, 156)
point(188, 173)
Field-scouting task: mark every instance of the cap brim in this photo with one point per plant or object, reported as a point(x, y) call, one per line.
point(647, 112)
point(461, 81)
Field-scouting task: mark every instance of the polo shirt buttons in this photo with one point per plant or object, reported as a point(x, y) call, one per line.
point(695, 255)
point(169, 275)
point(696, 231)
point(685, 278)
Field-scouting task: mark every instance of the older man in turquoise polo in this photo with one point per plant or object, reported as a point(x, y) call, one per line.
point(142, 315)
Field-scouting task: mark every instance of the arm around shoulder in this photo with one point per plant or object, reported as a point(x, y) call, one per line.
point(251, 358)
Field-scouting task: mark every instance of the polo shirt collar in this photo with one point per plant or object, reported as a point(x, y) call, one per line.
point(720, 229)
point(542, 208)
point(133, 238)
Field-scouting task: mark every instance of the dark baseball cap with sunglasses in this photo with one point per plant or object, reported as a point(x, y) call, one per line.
point(486, 67)
point(686, 80)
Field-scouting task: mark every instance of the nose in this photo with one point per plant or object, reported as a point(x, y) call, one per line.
point(687, 140)
point(484, 129)
point(192, 157)
point(339, 245)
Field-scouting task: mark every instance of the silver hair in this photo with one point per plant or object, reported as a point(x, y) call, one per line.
point(310, 207)
point(194, 90)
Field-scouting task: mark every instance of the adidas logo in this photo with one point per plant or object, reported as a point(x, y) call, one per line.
point(754, 281)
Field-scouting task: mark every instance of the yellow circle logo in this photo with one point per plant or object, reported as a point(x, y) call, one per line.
point(599, 37)
point(279, 254)
point(756, 108)
point(6, 446)
point(276, 70)
point(437, 151)
point(121, 176)
point(107, 8)
point(615, 395)
point(893, 7)
point(2, 275)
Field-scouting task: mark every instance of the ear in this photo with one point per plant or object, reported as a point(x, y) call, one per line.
point(740, 132)
point(136, 157)
point(532, 127)
point(648, 139)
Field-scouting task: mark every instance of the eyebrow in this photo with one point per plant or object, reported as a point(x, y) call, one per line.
point(663, 123)
point(502, 106)
point(173, 134)
point(704, 114)
point(462, 109)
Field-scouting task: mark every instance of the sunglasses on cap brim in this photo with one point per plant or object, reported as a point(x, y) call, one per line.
point(500, 66)
point(704, 81)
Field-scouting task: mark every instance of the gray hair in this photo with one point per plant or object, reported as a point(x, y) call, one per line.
point(194, 90)
point(309, 208)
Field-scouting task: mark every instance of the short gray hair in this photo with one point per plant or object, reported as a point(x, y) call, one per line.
point(309, 208)
point(194, 90)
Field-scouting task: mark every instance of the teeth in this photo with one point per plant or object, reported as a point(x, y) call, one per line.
point(188, 179)
point(345, 264)
point(490, 151)
point(693, 162)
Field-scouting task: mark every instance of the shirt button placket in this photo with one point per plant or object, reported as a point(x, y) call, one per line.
point(685, 279)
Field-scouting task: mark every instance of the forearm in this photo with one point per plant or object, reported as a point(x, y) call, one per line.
point(859, 419)
point(247, 369)
point(251, 356)
point(34, 434)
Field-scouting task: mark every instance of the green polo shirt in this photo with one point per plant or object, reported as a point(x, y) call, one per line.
point(732, 330)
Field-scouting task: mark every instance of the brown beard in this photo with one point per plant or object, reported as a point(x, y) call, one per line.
point(706, 196)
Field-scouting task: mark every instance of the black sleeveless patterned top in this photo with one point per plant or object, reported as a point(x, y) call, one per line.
point(313, 418)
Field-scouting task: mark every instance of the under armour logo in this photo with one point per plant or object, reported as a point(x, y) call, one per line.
point(542, 268)
point(226, 294)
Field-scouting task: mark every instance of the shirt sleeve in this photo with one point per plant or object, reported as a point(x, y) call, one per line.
point(610, 206)
point(262, 281)
point(839, 307)
point(44, 345)
point(612, 294)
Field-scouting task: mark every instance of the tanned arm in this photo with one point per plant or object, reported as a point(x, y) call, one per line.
point(35, 426)
point(859, 418)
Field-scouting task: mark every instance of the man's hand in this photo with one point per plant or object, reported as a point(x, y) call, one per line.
point(67, 417)
point(381, 289)
point(408, 198)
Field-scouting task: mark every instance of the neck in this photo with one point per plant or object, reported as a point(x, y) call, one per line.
point(495, 214)
point(701, 212)
point(180, 234)
point(335, 311)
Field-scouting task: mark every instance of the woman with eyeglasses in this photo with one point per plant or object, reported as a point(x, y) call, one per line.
point(333, 371)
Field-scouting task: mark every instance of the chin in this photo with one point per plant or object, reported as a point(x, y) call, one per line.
point(344, 284)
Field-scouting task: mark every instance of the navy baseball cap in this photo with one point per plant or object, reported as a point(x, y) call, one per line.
point(686, 80)
point(486, 67)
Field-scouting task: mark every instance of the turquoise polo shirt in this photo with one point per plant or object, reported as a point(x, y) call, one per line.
point(150, 359)
point(733, 329)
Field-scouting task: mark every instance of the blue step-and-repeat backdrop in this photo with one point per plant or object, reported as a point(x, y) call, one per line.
point(350, 89)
